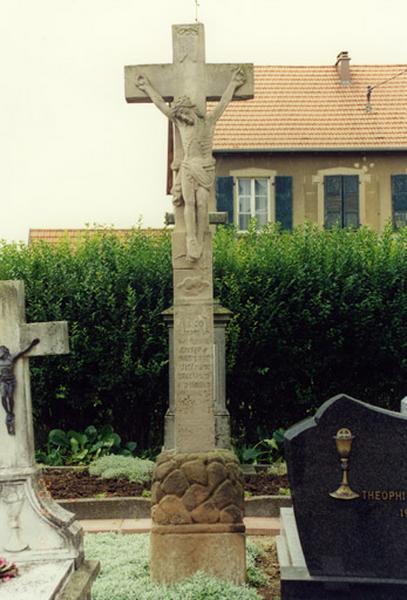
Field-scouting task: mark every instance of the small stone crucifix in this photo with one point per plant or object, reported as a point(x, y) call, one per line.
point(20, 341)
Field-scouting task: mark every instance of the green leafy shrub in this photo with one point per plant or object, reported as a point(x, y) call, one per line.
point(75, 448)
point(125, 574)
point(112, 293)
point(315, 313)
point(134, 469)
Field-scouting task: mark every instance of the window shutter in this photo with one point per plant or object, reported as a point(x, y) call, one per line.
point(333, 200)
point(284, 200)
point(350, 200)
point(224, 196)
point(399, 199)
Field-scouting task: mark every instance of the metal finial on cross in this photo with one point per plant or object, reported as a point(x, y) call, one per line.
point(197, 5)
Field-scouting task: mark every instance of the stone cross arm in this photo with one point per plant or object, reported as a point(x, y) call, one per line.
point(16, 334)
point(53, 338)
point(168, 80)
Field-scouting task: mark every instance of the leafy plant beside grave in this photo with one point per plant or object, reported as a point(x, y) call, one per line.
point(81, 448)
point(267, 451)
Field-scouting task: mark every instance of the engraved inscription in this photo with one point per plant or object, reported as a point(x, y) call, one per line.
point(384, 495)
point(194, 324)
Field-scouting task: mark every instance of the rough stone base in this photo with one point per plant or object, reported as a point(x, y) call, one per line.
point(175, 556)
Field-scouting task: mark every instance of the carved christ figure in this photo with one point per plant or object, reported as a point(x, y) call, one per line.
point(195, 173)
point(8, 381)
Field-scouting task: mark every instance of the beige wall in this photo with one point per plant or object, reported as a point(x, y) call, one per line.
point(307, 169)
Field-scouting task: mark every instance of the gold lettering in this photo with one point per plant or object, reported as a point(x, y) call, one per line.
point(385, 495)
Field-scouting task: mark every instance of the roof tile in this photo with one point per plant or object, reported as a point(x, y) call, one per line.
point(307, 107)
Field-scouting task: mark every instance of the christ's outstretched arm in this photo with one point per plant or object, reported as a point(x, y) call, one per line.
point(144, 84)
point(18, 355)
point(238, 79)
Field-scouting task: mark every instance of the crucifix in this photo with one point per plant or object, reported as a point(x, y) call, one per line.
point(188, 83)
point(19, 341)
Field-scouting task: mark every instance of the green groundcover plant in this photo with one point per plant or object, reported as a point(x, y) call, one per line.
point(125, 573)
point(137, 470)
point(314, 313)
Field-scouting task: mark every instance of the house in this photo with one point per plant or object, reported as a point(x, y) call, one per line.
point(326, 144)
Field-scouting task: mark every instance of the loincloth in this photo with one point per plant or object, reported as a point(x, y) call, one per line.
point(199, 172)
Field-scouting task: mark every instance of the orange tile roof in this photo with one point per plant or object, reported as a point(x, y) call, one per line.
point(308, 108)
point(53, 236)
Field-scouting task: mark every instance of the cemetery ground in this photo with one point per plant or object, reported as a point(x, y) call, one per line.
point(65, 484)
point(125, 572)
point(77, 483)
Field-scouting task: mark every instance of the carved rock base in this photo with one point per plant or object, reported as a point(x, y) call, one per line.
point(197, 512)
point(203, 487)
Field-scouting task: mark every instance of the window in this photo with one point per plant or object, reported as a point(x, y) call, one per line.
point(341, 200)
point(252, 201)
point(267, 197)
point(399, 200)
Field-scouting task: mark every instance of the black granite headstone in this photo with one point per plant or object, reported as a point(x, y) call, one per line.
point(348, 480)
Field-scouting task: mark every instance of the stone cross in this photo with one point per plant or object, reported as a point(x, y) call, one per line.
point(17, 451)
point(188, 74)
point(197, 496)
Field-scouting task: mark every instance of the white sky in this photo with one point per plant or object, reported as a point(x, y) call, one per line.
point(72, 151)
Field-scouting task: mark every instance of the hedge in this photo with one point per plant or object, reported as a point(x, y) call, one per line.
point(315, 313)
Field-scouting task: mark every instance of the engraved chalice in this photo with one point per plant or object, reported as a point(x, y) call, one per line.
point(343, 441)
point(14, 500)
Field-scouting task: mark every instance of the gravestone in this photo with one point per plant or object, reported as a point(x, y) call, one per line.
point(197, 491)
point(346, 536)
point(43, 539)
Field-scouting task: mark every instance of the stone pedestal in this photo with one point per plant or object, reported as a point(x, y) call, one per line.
point(221, 317)
point(197, 491)
point(217, 550)
point(197, 512)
